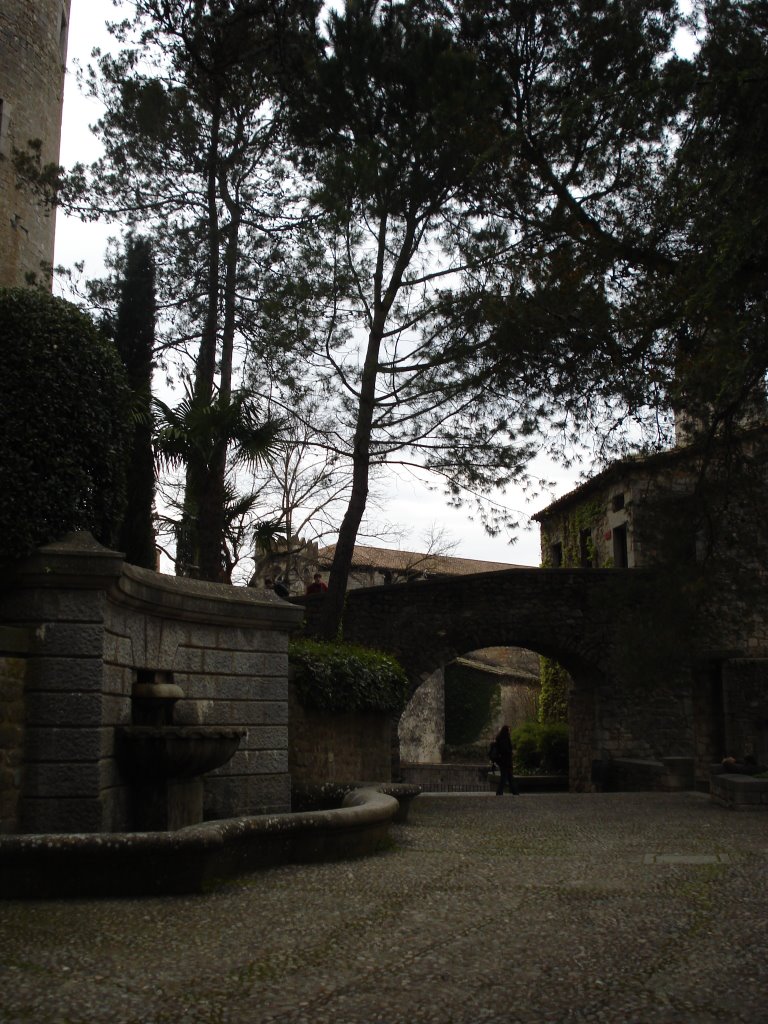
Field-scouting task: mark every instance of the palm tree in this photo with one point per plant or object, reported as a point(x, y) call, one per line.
point(199, 436)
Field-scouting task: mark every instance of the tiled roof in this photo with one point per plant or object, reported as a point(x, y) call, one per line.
point(366, 557)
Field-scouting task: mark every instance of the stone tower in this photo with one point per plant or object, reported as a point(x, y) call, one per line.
point(33, 50)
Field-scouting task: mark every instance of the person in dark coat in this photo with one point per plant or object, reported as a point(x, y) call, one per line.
point(504, 761)
point(317, 586)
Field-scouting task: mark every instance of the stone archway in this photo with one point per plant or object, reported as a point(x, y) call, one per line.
point(632, 700)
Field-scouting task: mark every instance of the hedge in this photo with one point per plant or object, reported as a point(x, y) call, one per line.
point(342, 677)
point(64, 421)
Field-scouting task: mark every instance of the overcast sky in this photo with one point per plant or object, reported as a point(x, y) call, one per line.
point(408, 503)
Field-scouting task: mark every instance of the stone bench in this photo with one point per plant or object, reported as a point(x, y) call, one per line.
point(739, 792)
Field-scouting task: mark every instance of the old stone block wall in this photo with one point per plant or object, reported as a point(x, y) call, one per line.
point(336, 747)
point(421, 730)
point(745, 703)
point(14, 645)
point(94, 623)
point(33, 45)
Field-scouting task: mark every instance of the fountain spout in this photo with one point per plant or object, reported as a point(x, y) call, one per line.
point(165, 762)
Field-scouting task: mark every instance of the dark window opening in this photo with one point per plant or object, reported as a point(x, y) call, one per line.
point(586, 550)
point(620, 559)
point(63, 37)
point(556, 555)
point(617, 502)
point(3, 128)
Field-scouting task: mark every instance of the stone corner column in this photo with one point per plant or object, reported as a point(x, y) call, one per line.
point(60, 595)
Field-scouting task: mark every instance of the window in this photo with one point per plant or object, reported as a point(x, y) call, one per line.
point(620, 559)
point(586, 550)
point(617, 502)
point(556, 555)
point(5, 149)
point(63, 36)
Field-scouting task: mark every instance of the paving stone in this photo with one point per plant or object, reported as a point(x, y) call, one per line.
point(539, 909)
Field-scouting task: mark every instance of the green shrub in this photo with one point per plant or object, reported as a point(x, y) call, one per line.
point(525, 740)
point(341, 677)
point(553, 744)
point(541, 747)
point(64, 421)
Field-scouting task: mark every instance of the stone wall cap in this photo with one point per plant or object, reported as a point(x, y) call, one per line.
point(77, 560)
point(202, 601)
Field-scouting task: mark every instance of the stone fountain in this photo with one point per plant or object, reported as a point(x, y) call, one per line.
point(165, 762)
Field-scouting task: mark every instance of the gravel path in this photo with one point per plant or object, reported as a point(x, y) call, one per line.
point(615, 908)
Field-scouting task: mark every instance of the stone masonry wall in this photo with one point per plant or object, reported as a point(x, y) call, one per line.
point(230, 675)
point(13, 670)
point(421, 730)
point(94, 623)
point(336, 747)
point(33, 43)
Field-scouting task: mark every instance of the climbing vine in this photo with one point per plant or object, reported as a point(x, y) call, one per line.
point(586, 516)
point(553, 700)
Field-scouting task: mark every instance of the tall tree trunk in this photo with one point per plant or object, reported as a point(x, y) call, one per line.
point(202, 525)
point(333, 603)
point(135, 340)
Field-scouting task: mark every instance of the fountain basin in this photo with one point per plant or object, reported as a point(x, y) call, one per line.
point(191, 860)
point(155, 752)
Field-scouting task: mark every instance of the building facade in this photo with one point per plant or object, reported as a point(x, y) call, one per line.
point(694, 517)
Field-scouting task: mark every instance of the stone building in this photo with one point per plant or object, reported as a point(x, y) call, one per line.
point(687, 505)
point(33, 50)
point(694, 517)
point(372, 566)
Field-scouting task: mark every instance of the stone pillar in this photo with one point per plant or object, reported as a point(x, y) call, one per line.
point(33, 50)
point(60, 597)
point(14, 646)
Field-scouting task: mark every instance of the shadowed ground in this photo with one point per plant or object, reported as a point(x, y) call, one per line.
point(636, 908)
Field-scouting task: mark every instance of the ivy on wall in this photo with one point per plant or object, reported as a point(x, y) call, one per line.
point(555, 683)
point(586, 516)
point(471, 703)
point(332, 676)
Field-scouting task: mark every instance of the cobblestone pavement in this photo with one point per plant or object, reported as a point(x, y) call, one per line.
point(617, 908)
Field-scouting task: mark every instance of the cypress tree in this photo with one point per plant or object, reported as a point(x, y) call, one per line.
point(135, 340)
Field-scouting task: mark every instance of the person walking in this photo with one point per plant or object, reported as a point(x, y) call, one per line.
point(504, 751)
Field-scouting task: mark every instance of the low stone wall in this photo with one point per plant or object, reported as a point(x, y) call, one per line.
point(627, 774)
point(326, 748)
point(14, 646)
point(96, 625)
point(446, 778)
point(739, 792)
point(194, 859)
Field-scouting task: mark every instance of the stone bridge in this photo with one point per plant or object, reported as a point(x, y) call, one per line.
point(638, 692)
